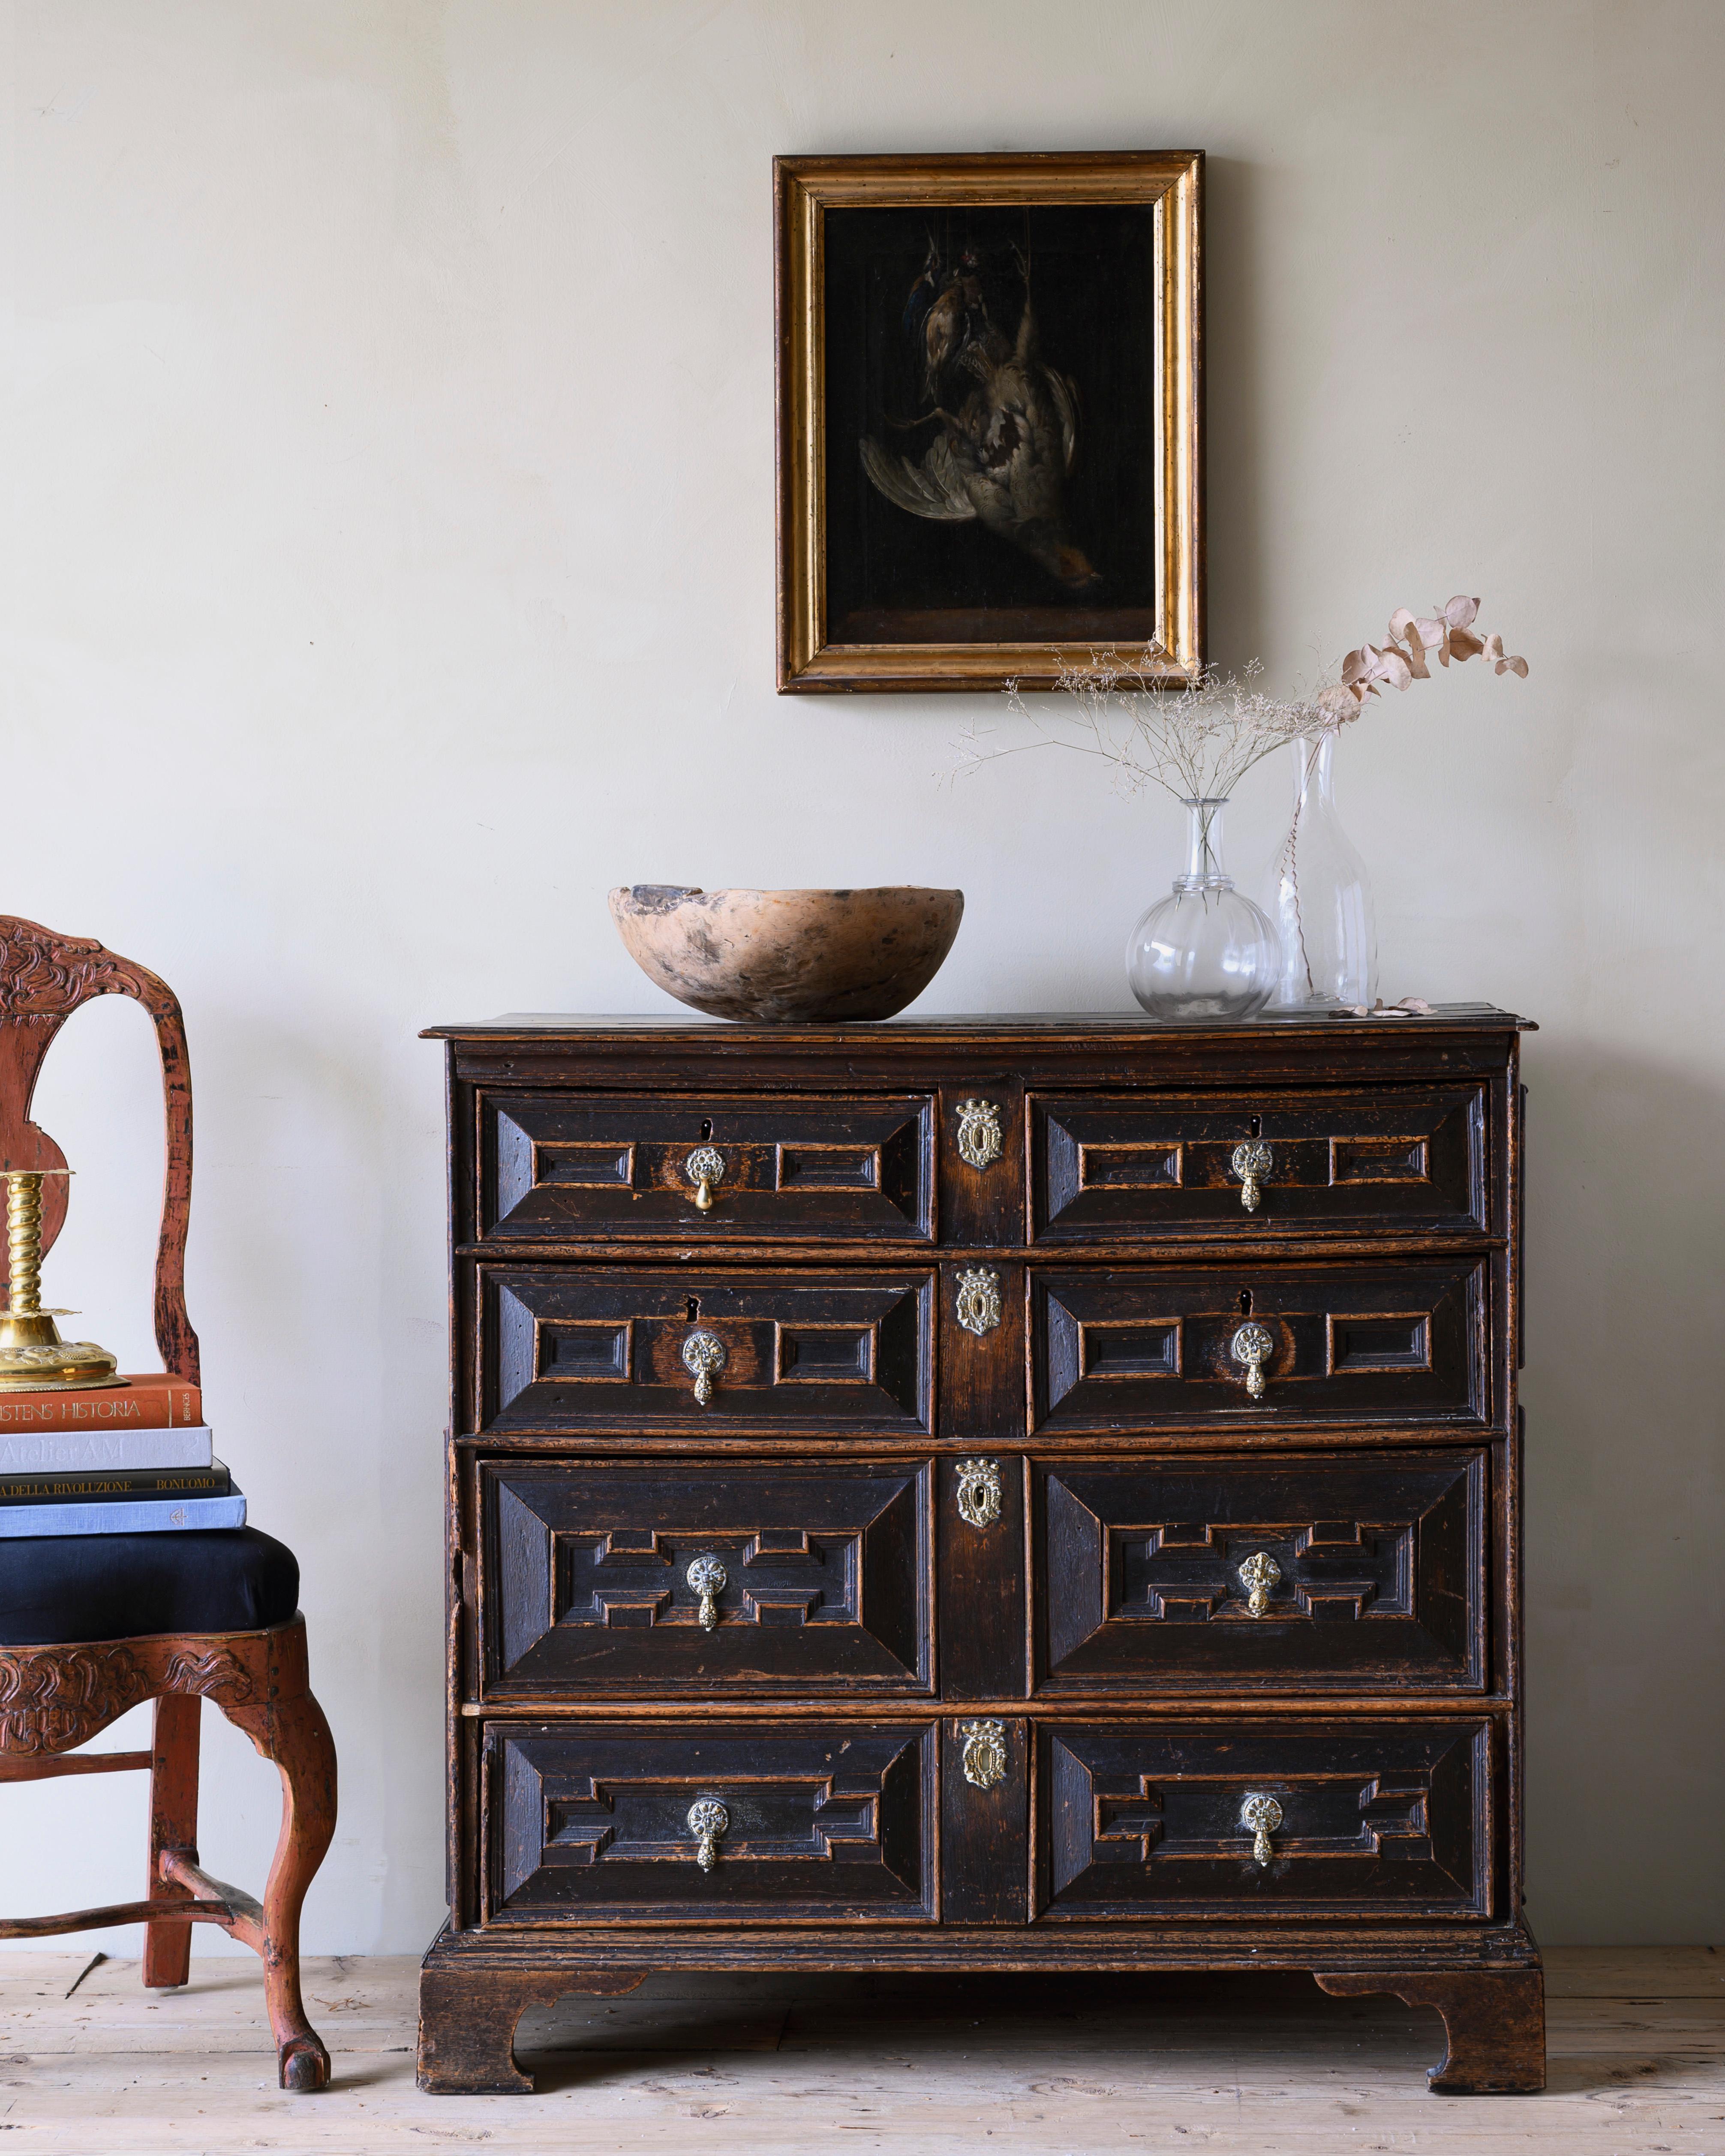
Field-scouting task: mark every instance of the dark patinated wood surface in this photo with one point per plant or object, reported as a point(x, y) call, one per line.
point(1095, 1608)
point(1494, 2022)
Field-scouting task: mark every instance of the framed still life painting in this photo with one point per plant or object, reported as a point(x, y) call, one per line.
point(990, 421)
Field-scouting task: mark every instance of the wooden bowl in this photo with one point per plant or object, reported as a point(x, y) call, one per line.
point(782, 957)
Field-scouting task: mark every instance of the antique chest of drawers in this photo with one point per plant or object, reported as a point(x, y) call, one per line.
point(1012, 1494)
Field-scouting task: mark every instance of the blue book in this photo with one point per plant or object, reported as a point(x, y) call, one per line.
point(144, 1516)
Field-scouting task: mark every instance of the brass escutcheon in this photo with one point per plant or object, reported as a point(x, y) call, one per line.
point(1253, 1346)
point(1258, 1575)
point(979, 1492)
point(1252, 1163)
point(977, 1304)
point(979, 1140)
point(709, 1579)
point(707, 1821)
point(1261, 1816)
point(703, 1353)
point(705, 1168)
point(984, 1757)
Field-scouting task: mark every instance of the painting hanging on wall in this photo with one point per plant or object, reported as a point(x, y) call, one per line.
point(990, 424)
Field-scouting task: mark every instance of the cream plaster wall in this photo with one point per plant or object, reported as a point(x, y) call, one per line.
point(388, 570)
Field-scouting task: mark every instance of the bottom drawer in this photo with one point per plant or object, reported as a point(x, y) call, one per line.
point(731, 1822)
point(1314, 1818)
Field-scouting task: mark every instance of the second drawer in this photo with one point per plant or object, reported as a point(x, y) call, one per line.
point(585, 1348)
point(1137, 1348)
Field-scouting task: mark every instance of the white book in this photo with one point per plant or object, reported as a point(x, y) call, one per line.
point(147, 1516)
point(103, 1450)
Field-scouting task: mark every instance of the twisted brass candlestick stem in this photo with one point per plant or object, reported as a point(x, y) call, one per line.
point(33, 1356)
point(24, 1240)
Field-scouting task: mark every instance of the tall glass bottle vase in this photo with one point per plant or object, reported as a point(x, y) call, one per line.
point(1321, 896)
point(1205, 950)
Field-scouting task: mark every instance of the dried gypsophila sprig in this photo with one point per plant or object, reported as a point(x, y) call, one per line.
point(1197, 741)
point(1449, 634)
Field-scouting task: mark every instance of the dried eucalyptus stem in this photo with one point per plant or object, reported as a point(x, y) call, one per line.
point(1448, 634)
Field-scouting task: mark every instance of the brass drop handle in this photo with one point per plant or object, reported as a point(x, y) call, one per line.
point(703, 1353)
point(1253, 1346)
point(708, 1821)
point(1252, 1163)
point(1260, 1816)
point(1257, 1575)
point(705, 1168)
point(709, 1579)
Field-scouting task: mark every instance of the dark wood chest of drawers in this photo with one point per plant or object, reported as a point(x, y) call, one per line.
point(985, 1494)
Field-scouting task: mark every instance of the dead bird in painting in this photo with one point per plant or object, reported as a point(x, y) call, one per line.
point(1002, 456)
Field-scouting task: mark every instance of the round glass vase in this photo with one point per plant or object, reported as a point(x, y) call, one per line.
point(1320, 895)
point(1205, 950)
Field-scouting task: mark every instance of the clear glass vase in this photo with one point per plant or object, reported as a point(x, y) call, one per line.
point(1321, 899)
point(1205, 950)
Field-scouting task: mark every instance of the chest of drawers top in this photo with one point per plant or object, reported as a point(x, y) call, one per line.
point(628, 1136)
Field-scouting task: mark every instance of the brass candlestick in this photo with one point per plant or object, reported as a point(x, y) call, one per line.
point(33, 1356)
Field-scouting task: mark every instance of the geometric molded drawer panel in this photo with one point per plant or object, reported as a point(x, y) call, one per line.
point(581, 1347)
point(592, 1821)
point(815, 1578)
point(1297, 1575)
point(1407, 1159)
point(572, 1166)
point(1363, 1819)
point(1136, 1349)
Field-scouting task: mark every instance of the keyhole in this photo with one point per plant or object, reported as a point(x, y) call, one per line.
point(1246, 1302)
point(1257, 1126)
point(694, 1308)
point(707, 1129)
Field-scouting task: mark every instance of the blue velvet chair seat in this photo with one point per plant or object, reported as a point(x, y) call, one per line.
point(63, 1590)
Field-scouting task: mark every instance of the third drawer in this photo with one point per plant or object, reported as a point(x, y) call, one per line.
point(1205, 1574)
point(1307, 1574)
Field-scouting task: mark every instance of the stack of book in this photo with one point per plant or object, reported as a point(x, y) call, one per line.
point(131, 1458)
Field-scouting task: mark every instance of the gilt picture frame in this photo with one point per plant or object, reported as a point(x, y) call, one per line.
point(990, 418)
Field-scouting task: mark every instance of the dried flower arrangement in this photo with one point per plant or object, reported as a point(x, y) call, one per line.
point(1199, 740)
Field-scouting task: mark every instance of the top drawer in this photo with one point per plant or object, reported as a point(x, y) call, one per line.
point(557, 1167)
point(1408, 1157)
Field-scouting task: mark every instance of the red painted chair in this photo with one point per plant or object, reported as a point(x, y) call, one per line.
point(91, 1625)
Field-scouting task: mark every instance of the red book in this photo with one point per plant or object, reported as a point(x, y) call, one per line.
point(154, 1401)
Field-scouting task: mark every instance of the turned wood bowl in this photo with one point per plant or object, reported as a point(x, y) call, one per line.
point(783, 957)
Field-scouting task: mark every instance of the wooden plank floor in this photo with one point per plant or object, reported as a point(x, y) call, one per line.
point(1065, 2068)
